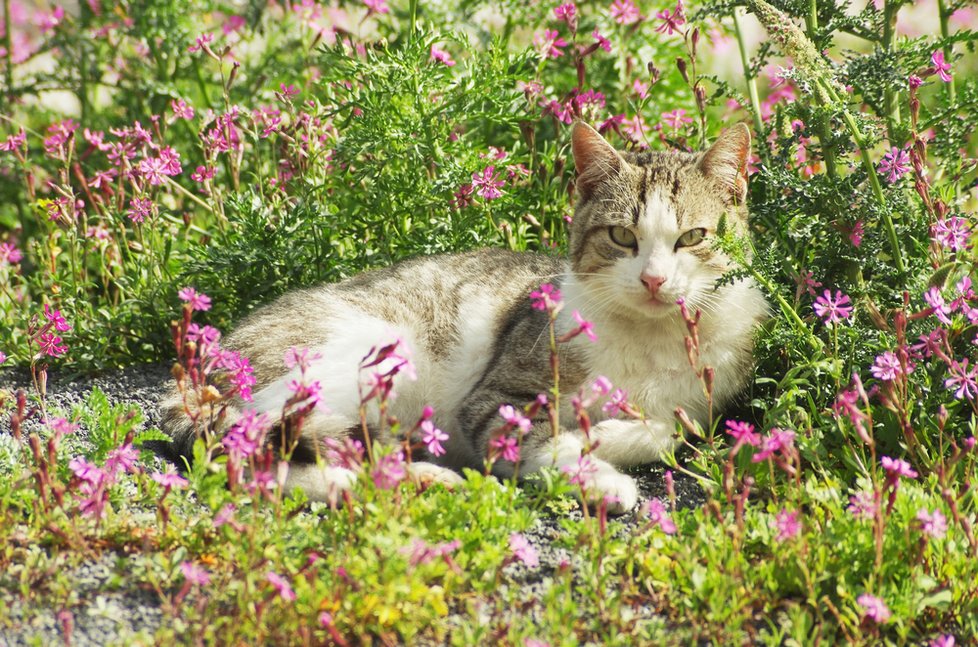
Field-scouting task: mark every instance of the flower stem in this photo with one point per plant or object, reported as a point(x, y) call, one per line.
point(891, 105)
point(944, 14)
point(755, 103)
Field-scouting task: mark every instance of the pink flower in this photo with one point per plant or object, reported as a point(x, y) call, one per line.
point(617, 403)
point(582, 472)
point(833, 308)
point(671, 22)
point(86, 471)
point(389, 471)
point(441, 56)
point(50, 345)
point(202, 174)
point(376, 6)
point(281, 585)
point(602, 42)
point(201, 43)
point(655, 510)
point(48, 21)
point(896, 468)
point(567, 12)
point(862, 505)
point(934, 524)
point(196, 300)
point(432, 438)
point(941, 67)
point(874, 608)
point(964, 381)
point(123, 457)
point(195, 575)
point(952, 233)
point(787, 525)
point(523, 550)
point(54, 316)
point(9, 254)
point(743, 433)
point(887, 367)
point(635, 128)
point(3, 357)
point(895, 164)
point(601, 386)
point(181, 109)
point(246, 436)
point(301, 357)
point(807, 282)
point(549, 43)
point(856, 234)
point(547, 298)
point(936, 301)
point(676, 118)
point(487, 184)
point(640, 88)
point(14, 142)
point(779, 440)
point(584, 326)
point(506, 447)
point(624, 12)
point(139, 209)
point(170, 479)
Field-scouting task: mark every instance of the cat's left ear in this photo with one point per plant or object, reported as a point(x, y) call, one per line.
point(596, 160)
point(726, 161)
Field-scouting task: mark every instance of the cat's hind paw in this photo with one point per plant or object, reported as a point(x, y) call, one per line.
point(618, 489)
point(426, 474)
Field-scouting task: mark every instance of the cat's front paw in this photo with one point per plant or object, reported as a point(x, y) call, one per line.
point(618, 489)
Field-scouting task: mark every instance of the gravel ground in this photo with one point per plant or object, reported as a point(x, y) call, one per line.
point(106, 611)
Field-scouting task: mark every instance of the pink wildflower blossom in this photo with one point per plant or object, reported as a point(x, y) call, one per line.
point(676, 118)
point(441, 56)
point(831, 308)
point(602, 42)
point(963, 381)
point(506, 447)
point(170, 479)
point(139, 209)
point(856, 234)
point(181, 109)
point(281, 585)
point(779, 440)
point(523, 550)
point(624, 12)
point(887, 367)
point(787, 525)
point(932, 524)
point(51, 345)
point(655, 510)
point(582, 472)
point(617, 403)
point(935, 300)
point(671, 22)
point(14, 142)
point(54, 316)
point(389, 471)
point(942, 67)
point(196, 300)
point(432, 438)
point(196, 575)
point(9, 254)
point(376, 6)
point(896, 468)
point(547, 298)
point(895, 164)
point(743, 433)
point(862, 505)
point(487, 183)
point(584, 326)
point(952, 233)
point(874, 609)
point(202, 174)
point(567, 13)
point(549, 43)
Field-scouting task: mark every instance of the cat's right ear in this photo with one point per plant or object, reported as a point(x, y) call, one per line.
point(595, 159)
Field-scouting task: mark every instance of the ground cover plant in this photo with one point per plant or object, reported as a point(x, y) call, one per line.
point(168, 166)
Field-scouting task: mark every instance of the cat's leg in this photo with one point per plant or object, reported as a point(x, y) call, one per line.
point(425, 474)
point(320, 482)
point(600, 478)
point(634, 442)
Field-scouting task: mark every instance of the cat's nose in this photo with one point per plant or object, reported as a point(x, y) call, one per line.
point(652, 283)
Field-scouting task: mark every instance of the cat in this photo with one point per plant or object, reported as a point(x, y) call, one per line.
point(640, 239)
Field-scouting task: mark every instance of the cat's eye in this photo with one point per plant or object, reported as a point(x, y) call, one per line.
point(622, 236)
point(691, 238)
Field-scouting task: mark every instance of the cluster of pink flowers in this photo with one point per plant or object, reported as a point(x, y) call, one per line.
point(95, 482)
point(833, 308)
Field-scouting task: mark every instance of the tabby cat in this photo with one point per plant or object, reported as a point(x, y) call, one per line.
point(639, 240)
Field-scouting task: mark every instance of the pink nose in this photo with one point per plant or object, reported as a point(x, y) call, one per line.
point(653, 283)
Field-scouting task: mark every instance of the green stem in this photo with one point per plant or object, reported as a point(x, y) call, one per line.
point(891, 105)
point(811, 20)
point(755, 102)
point(944, 14)
point(414, 19)
point(801, 327)
point(8, 43)
point(824, 132)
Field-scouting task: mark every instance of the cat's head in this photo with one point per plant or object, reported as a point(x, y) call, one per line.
point(642, 228)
